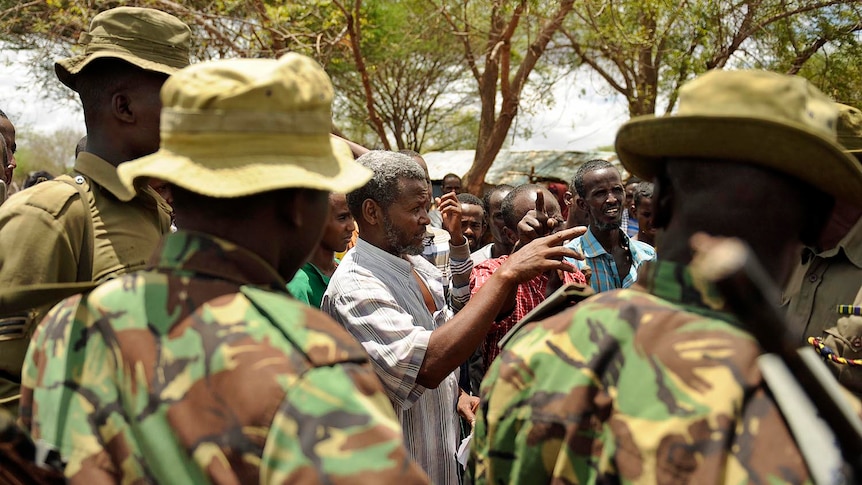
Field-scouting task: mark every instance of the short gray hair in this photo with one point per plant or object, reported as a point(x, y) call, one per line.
point(389, 169)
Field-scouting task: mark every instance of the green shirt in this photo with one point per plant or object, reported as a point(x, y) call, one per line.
point(309, 285)
point(204, 369)
point(652, 384)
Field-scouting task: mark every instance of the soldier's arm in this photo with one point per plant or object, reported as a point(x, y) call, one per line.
point(336, 425)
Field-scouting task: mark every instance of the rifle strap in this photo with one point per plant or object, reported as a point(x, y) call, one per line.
point(815, 439)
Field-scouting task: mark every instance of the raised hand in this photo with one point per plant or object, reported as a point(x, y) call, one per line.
point(536, 222)
point(450, 208)
point(542, 254)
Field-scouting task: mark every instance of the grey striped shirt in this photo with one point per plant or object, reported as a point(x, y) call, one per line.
point(375, 297)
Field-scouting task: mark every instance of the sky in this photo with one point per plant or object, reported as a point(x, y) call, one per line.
point(581, 117)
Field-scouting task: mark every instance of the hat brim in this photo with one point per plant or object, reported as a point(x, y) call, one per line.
point(645, 143)
point(67, 70)
point(232, 176)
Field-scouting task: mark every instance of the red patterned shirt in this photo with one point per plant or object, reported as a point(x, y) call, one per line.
point(529, 295)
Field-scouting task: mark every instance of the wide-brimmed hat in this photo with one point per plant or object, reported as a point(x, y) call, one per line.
point(233, 128)
point(850, 129)
point(773, 120)
point(149, 39)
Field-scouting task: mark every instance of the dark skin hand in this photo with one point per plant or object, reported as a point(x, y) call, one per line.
point(454, 342)
point(536, 223)
point(450, 209)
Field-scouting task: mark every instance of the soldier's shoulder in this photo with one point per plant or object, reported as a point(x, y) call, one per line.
point(51, 196)
point(314, 333)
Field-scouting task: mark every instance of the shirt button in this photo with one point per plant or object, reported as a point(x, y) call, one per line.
point(812, 278)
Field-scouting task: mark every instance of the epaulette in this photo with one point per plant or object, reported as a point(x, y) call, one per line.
point(53, 196)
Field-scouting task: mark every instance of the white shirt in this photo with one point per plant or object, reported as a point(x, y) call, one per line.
point(374, 295)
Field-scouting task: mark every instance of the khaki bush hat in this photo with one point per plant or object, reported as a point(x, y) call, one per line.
point(233, 128)
point(150, 39)
point(780, 122)
point(850, 129)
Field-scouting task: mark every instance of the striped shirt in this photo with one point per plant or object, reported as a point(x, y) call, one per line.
point(374, 295)
point(453, 261)
point(605, 276)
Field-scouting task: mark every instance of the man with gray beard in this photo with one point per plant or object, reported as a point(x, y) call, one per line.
point(391, 299)
point(612, 257)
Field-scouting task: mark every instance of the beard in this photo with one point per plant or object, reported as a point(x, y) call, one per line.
point(396, 237)
point(607, 226)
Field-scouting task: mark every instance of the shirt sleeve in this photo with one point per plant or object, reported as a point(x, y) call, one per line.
point(299, 287)
point(40, 243)
point(337, 426)
point(461, 266)
point(386, 330)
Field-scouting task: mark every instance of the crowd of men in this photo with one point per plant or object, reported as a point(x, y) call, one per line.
point(222, 291)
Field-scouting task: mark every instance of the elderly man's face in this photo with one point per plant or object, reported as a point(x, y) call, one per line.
point(404, 221)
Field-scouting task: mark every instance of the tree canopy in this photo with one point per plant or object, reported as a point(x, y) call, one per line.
point(445, 74)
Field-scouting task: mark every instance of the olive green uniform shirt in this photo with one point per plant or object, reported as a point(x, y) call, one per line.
point(823, 281)
point(44, 236)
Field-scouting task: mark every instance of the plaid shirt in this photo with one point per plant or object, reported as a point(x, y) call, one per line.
point(605, 276)
point(528, 296)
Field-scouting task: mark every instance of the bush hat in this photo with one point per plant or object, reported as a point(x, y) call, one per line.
point(773, 120)
point(233, 128)
point(850, 129)
point(149, 39)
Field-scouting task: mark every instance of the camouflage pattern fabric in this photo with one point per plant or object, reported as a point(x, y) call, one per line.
point(634, 386)
point(205, 370)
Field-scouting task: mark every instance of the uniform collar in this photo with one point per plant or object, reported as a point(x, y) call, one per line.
point(104, 174)
point(203, 254)
point(851, 244)
point(675, 283)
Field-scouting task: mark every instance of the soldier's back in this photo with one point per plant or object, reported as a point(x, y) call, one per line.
point(186, 379)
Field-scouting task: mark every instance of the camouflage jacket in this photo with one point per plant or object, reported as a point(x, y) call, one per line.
point(652, 384)
point(203, 369)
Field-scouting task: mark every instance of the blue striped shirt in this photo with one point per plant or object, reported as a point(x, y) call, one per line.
point(605, 276)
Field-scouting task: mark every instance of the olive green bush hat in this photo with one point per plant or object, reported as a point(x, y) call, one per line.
point(233, 128)
point(850, 129)
point(777, 121)
point(149, 39)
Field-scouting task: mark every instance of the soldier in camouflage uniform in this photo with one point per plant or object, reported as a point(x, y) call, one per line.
point(203, 368)
point(659, 383)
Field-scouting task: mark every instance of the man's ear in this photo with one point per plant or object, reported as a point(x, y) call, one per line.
point(371, 212)
point(663, 198)
point(568, 199)
point(582, 205)
point(511, 235)
point(287, 206)
point(121, 108)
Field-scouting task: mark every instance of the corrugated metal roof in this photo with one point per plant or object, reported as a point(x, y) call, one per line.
point(515, 167)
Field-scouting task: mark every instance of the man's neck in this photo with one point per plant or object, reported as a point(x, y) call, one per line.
point(324, 260)
point(608, 238)
point(498, 250)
